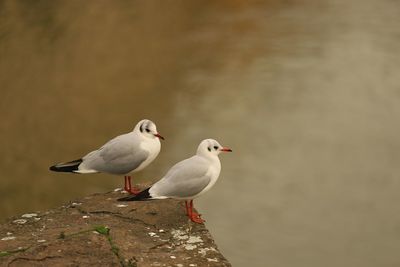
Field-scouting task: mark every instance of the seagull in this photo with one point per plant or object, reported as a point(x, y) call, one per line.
point(126, 153)
point(188, 179)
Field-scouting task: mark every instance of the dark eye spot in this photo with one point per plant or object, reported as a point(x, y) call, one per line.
point(209, 149)
point(215, 147)
point(147, 130)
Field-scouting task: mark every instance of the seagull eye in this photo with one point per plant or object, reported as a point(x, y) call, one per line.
point(209, 149)
point(215, 147)
point(147, 130)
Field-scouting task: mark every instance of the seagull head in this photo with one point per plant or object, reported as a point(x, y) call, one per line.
point(211, 147)
point(148, 129)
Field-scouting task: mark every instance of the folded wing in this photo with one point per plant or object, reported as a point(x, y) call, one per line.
point(185, 179)
point(120, 155)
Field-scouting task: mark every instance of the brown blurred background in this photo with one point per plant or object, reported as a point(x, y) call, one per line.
point(307, 93)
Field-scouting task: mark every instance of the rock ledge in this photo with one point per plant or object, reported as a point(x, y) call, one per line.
point(97, 230)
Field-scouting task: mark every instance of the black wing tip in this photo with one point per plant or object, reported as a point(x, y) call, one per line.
point(66, 167)
point(129, 198)
point(54, 168)
point(142, 196)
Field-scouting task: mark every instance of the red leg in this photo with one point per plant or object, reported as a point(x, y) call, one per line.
point(127, 187)
point(195, 217)
point(187, 208)
point(133, 190)
point(194, 213)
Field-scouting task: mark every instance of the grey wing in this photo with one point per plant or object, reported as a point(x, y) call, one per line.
point(185, 179)
point(120, 155)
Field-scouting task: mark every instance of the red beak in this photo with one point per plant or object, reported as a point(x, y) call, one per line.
point(225, 149)
point(159, 136)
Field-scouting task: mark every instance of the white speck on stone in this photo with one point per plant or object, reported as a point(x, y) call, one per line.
point(190, 247)
point(76, 204)
point(192, 265)
point(203, 251)
point(124, 192)
point(213, 260)
point(20, 248)
point(122, 206)
point(29, 215)
point(36, 219)
point(59, 251)
point(109, 198)
point(8, 238)
point(161, 230)
point(156, 264)
point(41, 241)
point(179, 265)
point(50, 219)
point(172, 257)
point(194, 239)
point(179, 234)
point(85, 217)
point(9, 233)
point(153, 234)
point(20, 221)
point(117, 189)
point(95, 232)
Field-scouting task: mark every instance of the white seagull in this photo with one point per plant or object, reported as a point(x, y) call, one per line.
point(188, 179)
point(127, 153)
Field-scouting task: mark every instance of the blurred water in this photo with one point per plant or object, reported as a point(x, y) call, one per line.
point(305, 92)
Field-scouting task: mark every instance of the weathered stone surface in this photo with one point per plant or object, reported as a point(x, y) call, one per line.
point(99, 231)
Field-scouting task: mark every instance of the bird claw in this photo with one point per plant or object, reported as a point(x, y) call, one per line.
point(134, 190)
point(195, 214)
point(196, 218)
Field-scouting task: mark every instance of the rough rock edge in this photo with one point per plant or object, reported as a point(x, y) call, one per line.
point(98, 230)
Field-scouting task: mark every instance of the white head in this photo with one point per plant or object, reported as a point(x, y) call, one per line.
point(148, 129)
point(210, 147)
